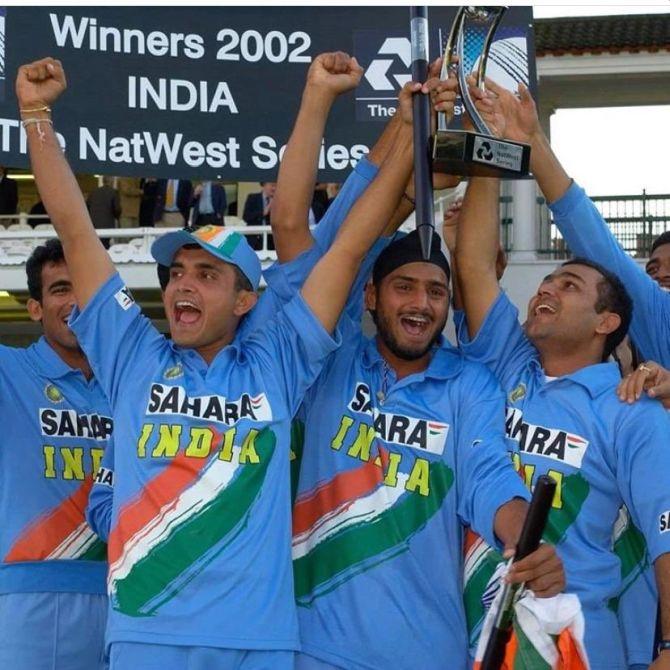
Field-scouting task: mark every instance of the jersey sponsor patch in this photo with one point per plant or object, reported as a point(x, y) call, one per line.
point(104, 476)
point(664, 522)
point(125, 298)
point(68, 423)
point(424, 434)
point(554, 443)
point(165, 399)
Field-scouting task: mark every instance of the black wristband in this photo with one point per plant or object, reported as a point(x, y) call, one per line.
point(663, 645)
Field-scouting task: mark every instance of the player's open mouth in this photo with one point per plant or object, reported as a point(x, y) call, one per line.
point(415, 325)
point(543, 308)
point(186, 312)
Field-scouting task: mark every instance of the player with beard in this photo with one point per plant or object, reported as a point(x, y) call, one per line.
point(358, 468)
point(200, 569)
point(403, 444)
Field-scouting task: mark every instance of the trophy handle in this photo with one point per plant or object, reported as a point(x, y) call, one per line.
point(465, 68)
point(483, 61)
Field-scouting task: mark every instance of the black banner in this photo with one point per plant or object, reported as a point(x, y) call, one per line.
point(212, 92)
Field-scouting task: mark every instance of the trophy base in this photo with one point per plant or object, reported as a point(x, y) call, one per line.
point(468, 153)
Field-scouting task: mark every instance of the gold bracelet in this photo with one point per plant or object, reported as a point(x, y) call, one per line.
point(45, 108)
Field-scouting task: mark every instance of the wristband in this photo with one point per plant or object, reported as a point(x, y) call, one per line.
point(663, 645)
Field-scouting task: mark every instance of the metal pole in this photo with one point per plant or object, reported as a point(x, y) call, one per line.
point(423, 172)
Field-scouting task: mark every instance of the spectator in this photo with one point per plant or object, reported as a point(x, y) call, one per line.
point(257, 212)
point(104, 206)
point(173, 203)
point(209, 204)
point(130, 194)
point(36, 210)
point(149, 188)
point(9, 198)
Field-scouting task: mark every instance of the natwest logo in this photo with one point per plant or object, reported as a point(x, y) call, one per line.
point(386, 59)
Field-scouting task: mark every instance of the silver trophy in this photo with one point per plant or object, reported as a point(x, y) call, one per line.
point(474, 152)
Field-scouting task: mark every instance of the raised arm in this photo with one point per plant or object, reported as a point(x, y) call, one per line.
point(38, 86)
point(327, 286)
point(330, 75)
point(477, 247)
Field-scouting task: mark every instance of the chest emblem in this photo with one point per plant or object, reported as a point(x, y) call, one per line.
point(517, 393)
point(174, 372)
point(53, 393)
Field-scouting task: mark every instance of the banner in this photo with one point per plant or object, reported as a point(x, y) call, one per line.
point(212, 92)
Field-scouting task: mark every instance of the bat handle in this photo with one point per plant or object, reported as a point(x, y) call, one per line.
point(529, 541)
point(536, 519)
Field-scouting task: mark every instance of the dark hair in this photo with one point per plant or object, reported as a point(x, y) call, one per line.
point(50, 252)
point(163, 275)
point(663, 238)
point(613, 297)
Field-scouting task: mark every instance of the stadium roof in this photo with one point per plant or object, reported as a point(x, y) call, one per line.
point(602, 34)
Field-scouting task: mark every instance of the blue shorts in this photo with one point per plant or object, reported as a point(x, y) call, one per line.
point(137, 656)
point(306, 662)
point(52, 631)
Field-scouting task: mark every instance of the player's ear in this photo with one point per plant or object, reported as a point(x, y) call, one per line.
point(607, 323)
point(34, 308)
point(244, 302)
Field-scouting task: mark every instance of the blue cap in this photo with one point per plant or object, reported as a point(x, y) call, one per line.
point(219, 241)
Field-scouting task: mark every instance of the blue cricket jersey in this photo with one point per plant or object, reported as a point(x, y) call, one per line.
point(199, 549)
point(588, 235)
point(284, 281)
point(391, 470)
point(55, 427)
point(601, 452)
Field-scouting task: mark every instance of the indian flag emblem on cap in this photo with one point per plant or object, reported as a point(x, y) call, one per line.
point(222, 239)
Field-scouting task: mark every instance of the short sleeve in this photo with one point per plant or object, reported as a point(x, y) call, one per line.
point(292, 349)
point(115, 336)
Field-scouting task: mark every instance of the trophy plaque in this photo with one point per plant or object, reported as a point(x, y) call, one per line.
point(474, 152)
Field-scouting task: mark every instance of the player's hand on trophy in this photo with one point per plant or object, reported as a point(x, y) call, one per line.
point(521, 121)
point(39, 84)
point(442, 91)
point(490, 108)
point(334, 73)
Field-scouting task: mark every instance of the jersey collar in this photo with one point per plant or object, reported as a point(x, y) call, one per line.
point(49, 363)
point(596, 379)
point(446, 362)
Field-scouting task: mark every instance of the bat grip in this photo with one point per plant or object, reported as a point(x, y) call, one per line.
point(536, 519)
